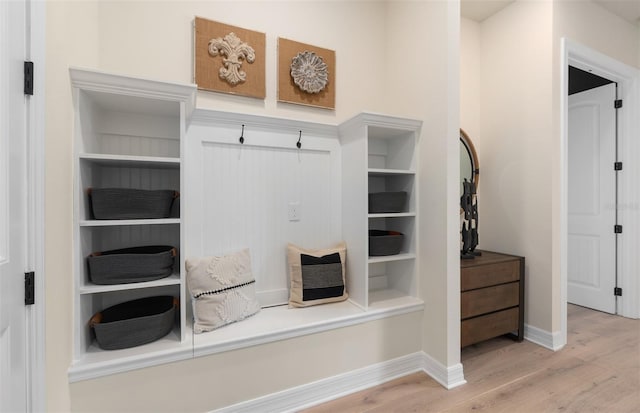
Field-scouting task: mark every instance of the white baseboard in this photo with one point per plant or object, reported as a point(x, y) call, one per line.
point(448, 377)
point(331, 388)
point(546, 339)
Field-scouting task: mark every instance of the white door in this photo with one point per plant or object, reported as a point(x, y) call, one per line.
point(13, 195)
point(592, 199)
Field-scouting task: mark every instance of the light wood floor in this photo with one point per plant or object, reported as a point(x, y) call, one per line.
point(597, 371)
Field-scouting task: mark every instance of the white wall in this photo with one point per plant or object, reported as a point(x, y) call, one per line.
point(593, 26)
point(71, 39)
point(423, 83)
point(153, 40)
point(470, 83)
point(517, 144)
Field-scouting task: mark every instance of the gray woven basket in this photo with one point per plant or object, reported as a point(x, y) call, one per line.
point(127, 203)
point(383, 202)
point(131, 265)
point(134, 323)
point(384, 242)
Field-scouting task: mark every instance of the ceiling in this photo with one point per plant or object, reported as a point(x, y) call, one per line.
point(479, 10)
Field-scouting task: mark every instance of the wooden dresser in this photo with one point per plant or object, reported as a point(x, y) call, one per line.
point(492, 297)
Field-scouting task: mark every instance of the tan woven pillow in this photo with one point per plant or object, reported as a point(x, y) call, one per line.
point(317, 276)
point(222, 290)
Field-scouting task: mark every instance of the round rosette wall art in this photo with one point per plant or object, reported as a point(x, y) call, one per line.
point(306, 74)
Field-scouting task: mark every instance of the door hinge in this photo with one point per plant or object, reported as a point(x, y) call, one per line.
point(617, 291)
point(29, 288)
point(28, 78)
point(617, 229)
point(617, 103)
point(617, 166)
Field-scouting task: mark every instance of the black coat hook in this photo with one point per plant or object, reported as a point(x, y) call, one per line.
point(299, 144)
point(241, 139)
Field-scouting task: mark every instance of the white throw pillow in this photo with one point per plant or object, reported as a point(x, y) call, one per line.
point(222, 290)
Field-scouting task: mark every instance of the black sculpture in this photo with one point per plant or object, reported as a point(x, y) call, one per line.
point(469, 204)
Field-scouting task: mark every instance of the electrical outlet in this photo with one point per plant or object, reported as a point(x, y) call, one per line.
point(294, 211)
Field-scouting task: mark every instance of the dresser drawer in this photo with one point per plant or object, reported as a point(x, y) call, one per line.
point(489, 299)
point(488, 326)
point(487, 275)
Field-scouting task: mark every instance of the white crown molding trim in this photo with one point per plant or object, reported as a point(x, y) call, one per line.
point(321, 391)
point(546, 339)
point(104, 82)
point(262, 123)
point(383, 121)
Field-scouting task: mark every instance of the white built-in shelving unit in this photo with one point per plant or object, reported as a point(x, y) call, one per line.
point(137, 133)
point(128, 134)
point(379, 154)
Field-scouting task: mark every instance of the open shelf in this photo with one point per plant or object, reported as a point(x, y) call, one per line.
point(126, 222)
point(389, 258)
point(128, 133)
point(88, 288)
point(390, 172)
point(380, 156)
point(130, 161)
point(393, 215)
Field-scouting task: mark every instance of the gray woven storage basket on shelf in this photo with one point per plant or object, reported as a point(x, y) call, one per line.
point(131, 265)
point(127, 203)
point(134, 323)
point(384, 242)
point(387, 202)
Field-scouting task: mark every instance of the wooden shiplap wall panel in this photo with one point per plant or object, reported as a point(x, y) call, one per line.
point(246, 191)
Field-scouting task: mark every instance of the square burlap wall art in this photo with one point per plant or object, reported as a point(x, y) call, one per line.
point(306, 74)
point(229, 59)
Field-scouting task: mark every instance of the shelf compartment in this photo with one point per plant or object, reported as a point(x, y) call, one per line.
point(395, 183)
point(388, 297)
point(90, 304)
point(394, 275)
point(391, 148)
point(95, 362)
point(404, 224)
point(116, 124)
point(104, 238)
point(110, 172)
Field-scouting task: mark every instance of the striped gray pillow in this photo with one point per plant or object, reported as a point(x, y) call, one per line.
point(316, 276)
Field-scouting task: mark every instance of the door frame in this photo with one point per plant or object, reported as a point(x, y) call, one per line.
point(628, 80)
point(36, 348)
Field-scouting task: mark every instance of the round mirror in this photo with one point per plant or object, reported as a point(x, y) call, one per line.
point(469, 167)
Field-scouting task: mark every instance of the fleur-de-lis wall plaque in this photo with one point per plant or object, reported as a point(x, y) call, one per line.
point(234, 51)
point(229, 59)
